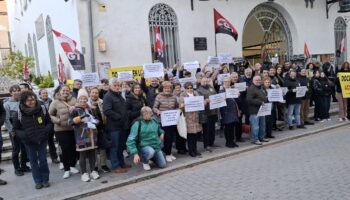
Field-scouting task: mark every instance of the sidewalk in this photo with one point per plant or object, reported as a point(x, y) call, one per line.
point(74, 188)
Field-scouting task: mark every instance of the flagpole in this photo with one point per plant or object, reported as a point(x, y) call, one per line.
point(216, 47)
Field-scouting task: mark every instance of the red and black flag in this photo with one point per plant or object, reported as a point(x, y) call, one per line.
point(222, 25)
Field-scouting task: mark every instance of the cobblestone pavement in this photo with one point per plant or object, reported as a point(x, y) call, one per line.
point(23, 187)
point(316, 167)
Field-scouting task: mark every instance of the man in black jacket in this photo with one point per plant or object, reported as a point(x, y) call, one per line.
point(305, 101)
point(255, 98)
point(77, 85)
point(114, 107)
point(152, 91)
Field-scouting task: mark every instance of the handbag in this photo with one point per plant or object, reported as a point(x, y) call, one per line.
point(246, 128)
point(181, 126)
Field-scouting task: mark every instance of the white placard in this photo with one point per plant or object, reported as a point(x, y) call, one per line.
point(191, 65)
point(225, 57)
point(232, 93)
point(213, 62)
point(217, 101)
point(90, 79)
point(103, 68)
point(274, 60)
point(153, 70)
point(125, 76)
point(193, 80)
point(169, 117)
point(265, 109)
point(193, 104)
point(285, 90)
point(241, 86)
point(275, 95)
point(301, 91)
point(221, 78)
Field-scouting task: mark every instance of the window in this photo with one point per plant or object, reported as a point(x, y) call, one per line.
point(164, 17)
point(340, 34)
point(51, 46)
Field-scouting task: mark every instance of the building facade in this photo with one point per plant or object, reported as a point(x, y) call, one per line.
point(122, 31)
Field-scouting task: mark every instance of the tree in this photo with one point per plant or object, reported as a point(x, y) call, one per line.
point(14, 65)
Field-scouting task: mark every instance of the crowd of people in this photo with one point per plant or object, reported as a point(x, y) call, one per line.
point(102, 124)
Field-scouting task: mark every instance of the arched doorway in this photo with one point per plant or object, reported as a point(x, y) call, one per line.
point(340, 34)
point(164, 17)
point(266, 36)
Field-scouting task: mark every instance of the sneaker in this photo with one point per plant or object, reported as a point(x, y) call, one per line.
point(105, 169)
point(85, 177)
point(94, 175)
point(329, 119)
point(74, 170)
point(66, 175)
point(38, 186)
point(173, 157)
point(2, 182)
point(146, 167)
point(323, 120)
point(61, 167)
point(257, 143)
point(46, 185)
point(208, 150)
point(340, 119)
point(168, 158)
point(18, 172)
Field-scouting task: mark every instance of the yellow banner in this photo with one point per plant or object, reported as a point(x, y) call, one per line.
point(344, 79)
point(136, 70)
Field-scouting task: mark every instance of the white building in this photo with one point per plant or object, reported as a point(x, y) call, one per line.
point(123, 35)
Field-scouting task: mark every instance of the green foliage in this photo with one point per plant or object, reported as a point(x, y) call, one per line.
point(44, 81)
point(14, 65)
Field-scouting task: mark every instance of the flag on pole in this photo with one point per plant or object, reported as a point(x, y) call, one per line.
point(222, 25)
point(306, 51)
point(25, 71)
point(69, 46)
point(61, 73)
point(158, 44)
point(264, 54)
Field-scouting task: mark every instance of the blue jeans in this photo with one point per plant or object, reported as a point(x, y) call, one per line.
point(38, 162)
point(257, 127)
point(116, 149)
point(148, 153)
point(294, 108)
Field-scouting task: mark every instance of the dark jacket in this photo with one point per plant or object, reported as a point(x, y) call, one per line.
point(134, 105)
point(292, 84)
point(317, 87)
point(151, 92)
point(32, 124)
point(326, 86)
point(2, 113)
point(114, 107)
point(255, 98)
point(229, 113)
point(75, 92)
point(304, 81)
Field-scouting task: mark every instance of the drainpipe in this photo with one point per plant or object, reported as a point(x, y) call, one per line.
point(91, 37)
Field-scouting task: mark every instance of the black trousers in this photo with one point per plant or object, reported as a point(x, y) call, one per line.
point(238, 129)
point(180, 142)
point(268, 125)
point(192, 143)
point(19, 154)
point(169, 138)
point(51, 144)
point(229, 132)
point(67, 143)
point(209, 131)
point(91, 156)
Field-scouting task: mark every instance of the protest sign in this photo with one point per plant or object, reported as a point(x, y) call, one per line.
point(125, 76)
point(265, 109)
point(169, 117)
point(103, 68)
point(213, 62)
point(195, 103)
point(217, 101)
point(275, 95)
point(221, 78)
point(136, 70)
point(153, 70)
point(301, 91)
point(191, 65)
point(90, 79)
point(232, 93)
point(344, 79)
point(225, 58)
point(241, 86)
point(193, 80)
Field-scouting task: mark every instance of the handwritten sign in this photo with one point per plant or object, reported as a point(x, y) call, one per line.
point(217, 101)
point(103, 68)
point(90, 79)
point(193, 80)
point(193, 104)
point(265, 109)
point(301, 91)
point(275, 95)
point(153, 70)
point(191, 65)
point(213, 62)
point(241, 86)
point(232, 93)
point(169, 117)
point(221, 78)
point(225, 57)
point(125, 76)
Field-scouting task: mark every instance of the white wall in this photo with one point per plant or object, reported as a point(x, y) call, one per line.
point(63, 18)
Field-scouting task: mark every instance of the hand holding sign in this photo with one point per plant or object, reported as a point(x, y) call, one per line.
point(153, 70)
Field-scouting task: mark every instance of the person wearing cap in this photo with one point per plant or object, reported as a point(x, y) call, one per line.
point(84, 120)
